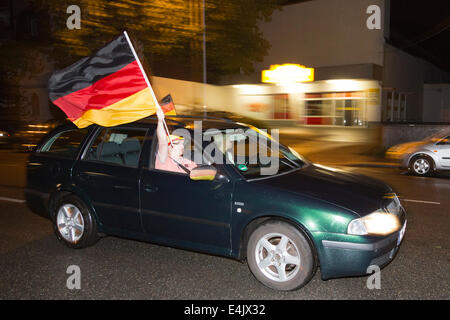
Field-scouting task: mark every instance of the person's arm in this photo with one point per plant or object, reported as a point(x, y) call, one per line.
point(163, 148)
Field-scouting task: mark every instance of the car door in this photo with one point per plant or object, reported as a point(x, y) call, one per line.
point(182, 212)
point(109, 174)
point(51, 165)
point(443, 147)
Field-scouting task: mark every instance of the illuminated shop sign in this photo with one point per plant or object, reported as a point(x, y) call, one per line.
point(287, 73)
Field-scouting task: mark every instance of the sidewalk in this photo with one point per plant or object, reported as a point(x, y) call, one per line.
point(337, 147)
point(344, 154)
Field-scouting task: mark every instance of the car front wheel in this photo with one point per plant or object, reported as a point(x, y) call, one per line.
point(280, 256)
point(421, 166)
point(73, 223)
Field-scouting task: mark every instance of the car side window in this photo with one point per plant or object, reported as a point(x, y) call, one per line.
point(66, 143)
point(188, 154)
point(120, 146)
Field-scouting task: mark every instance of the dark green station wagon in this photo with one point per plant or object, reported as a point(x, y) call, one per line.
point(103, 181)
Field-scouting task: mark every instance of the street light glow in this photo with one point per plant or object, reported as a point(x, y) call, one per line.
point(287, 73)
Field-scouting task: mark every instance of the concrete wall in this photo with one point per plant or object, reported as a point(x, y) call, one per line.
point(406, 73)
point(396, 133)
point(436, 103)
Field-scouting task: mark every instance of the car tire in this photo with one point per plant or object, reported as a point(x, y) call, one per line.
point(280, 256)
point(73, 222)
point(421, 165)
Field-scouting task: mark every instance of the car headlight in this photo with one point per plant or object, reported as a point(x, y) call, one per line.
point(376, 223)
point(381, 222)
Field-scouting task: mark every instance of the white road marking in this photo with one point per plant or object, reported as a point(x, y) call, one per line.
point(12, 200)
point(421, 201)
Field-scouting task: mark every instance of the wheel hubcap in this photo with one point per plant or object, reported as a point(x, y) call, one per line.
point(70, 223)
point(421, 166)
point(277, 257)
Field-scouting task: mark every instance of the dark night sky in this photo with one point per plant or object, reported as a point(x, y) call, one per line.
point(422, 28)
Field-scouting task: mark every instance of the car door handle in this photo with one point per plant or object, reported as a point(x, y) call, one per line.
point(149, 188)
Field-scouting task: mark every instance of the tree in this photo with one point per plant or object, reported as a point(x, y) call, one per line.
point(234, 42)
point(170, 33)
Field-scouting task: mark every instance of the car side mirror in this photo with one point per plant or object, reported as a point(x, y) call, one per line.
point(208, 173)
point(203, 173)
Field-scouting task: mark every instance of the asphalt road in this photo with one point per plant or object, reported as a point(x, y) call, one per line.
point(33, 265)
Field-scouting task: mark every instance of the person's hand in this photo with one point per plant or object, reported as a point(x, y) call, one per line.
point(160, 114)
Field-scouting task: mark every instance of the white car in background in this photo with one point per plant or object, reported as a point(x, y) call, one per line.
point(424, 157)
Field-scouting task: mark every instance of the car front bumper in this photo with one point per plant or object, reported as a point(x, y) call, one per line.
point(404, 161)
point(347, 255)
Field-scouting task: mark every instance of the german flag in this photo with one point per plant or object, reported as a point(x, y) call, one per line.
point(167, 105)
point(107, 88)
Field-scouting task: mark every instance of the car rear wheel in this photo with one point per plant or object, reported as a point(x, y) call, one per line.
point(280, 256)
point(421, 165)
point(73, 223)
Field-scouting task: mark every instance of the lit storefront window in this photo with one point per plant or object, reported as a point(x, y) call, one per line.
point(340, 109)
point(281, 109)
point(346, 103)
point(319, 112)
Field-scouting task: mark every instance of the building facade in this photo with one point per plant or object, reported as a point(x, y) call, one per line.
point(359, 78)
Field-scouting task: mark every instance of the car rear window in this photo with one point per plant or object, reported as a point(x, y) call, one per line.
point(66, 143)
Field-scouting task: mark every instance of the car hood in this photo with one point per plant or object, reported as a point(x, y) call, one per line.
point(397, 151)
point(355, 192)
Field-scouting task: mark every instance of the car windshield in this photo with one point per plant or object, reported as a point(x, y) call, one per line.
point(254, 153)
point(437, 136)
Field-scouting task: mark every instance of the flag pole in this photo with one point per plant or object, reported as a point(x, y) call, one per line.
point(147, 82)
